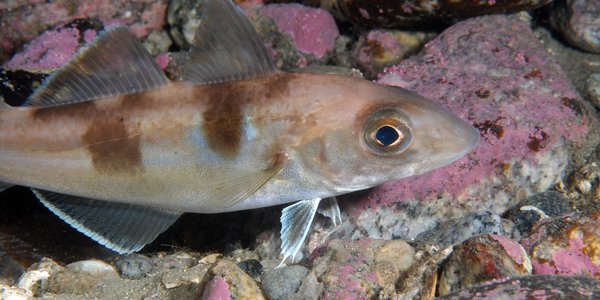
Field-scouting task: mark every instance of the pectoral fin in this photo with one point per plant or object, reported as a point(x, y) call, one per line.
point(295, 222)
point(225, 187)
point(330, 208)
point(123, 228)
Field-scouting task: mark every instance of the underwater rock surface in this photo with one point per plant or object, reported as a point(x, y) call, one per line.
point(491, 71)
point(395, 13)
point(578, 21)
point(23, 20)
point(532, 287)
point(482, 258)
point(566, 245)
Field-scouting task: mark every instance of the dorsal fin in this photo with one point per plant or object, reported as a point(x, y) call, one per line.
point(226, 47)
point(115, 63)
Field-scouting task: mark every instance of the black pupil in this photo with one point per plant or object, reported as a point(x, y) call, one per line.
point(387, 135)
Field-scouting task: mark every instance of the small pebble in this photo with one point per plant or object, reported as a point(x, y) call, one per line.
point(378, 49)
point(279, 284)
point(158, 41)
point(482, 258)
point(241, 285)
point(134, 266)
point(566, 245)
point(528, 212)
point(252, 267)
point(91, 267)
point(216, 289)
point(14, 293)
point(456, 231)
point(532, 287)
point(36, 278)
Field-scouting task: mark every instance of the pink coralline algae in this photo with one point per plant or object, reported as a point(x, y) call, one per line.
point(532, 287)
point(49, 51)
point(216, 289)
point(313, 30)
point(54, 48)
point(568, 245)
point(24, 20)
point(362, 269)
point(514, 92)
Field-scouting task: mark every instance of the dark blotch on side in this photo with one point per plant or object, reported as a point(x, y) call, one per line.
point(223, 120)
point(222, 126)
point(112, 148)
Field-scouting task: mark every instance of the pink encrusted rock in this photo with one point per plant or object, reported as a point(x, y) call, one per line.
point(363, 269)
point(24, 20)
point(312, 30)
point(49, 51)
point(515, 93)
point(216, 289)
point(483, 258)
point(54, 48)
point(568, 245)
point(532, 287)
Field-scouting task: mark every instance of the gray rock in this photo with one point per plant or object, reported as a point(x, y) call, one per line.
point(310, 288)
point(157, 42)
point(533, 209)
point(458, 230)
point(252, 267)
point(181, 15)
point(533, 287)
point(283, 282)
point(578, 23)
point(134, 266)
point(593, 89)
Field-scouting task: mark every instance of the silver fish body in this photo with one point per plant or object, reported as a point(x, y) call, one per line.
point(243, 137)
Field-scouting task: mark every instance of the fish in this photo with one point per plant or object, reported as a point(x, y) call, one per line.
point(119, 151)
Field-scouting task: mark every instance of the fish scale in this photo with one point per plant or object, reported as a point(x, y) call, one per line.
point(119, 152)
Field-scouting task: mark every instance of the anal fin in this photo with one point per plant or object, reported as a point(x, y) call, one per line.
point(295, 223)
point(123, 228)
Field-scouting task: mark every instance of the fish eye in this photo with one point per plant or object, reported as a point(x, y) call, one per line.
point(387, 132)
point(387, 135)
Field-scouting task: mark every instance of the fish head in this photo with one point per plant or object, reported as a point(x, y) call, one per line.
point(372, 133)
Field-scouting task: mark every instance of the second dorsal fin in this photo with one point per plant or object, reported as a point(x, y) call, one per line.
point(114, 63)
point(226, 47)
